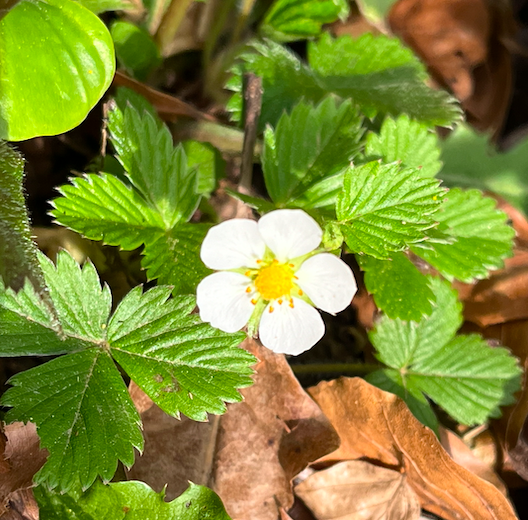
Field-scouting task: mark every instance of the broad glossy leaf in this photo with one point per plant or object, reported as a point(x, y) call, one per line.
point(462, 374)
point(18, 253)
point(408, 141)
point(173, 258)
point(102, 207)
point(84, 416)
point(184, 365)
point(289, 20)
point(131, 500)
point(399, 289)
point(99, 6)
point(83, 307)
point(56, 61)
point(384, 208)
point(480, 237)
point(309, 145)
point(156, 168)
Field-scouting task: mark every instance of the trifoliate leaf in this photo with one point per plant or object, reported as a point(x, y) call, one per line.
point(471, 162)
point(84, 416)
point(384, 208)
point(17, 250)
point(209, 163)
point(479, 233)
point(399, 289)
point(462, 374)
point(174, 257)
point(289, 20)
point(79, 401)
point(154, 166)
point(131, 500)
point(408, 141)
point(83, 307)
point(71, 63)
point(101, 207)
point(378, 73)
point(184, 365)
point(309, 145)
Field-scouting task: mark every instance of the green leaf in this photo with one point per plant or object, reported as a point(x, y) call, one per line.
point(309, 145)
point(289, 20)
point(184, 365)
point(174, 257)
point(462, 374)
point(408, 141)
point(207, 159)
point(131, 500)
point(17, 250)
point(479, 233)
point(29, 327)
point(381, 74)
point(101, 207)
point(399, 289)
point(135, 49)
point(470, 162)
point(84, 416)
point(384, 208)
point(51, 89)
point(261, 205)
point(154, 166)
point(100, 6)
point(377, 73)
point(83, 307)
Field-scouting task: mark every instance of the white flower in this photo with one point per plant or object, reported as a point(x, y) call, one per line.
point(272, 274)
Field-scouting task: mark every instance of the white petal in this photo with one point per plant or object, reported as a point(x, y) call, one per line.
point(290, 233)
point(289, 330)
point(232, 244)
point(327, 281)
point(224, 302)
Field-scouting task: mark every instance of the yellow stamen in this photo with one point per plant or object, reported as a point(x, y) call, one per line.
point(280, 302)
point(271, 309)
point(274, 281)
point(248, 289)
point(253, 301)
point(291, 303)
point(300, 292)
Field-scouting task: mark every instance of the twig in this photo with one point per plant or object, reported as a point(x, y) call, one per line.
point(253, 102)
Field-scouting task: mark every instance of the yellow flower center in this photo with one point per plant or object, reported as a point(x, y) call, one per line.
point(274, 281)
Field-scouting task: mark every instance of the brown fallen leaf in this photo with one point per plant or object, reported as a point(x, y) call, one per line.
point(21, 506)
point(260, 445)
point(377, 425)
point(25, 458)
point(465, 45)
point(358, 490)
point(463, 455)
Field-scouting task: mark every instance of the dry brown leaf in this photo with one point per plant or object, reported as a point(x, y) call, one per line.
point(267, 439)
point(463, 455)
point(252, 452)
point(176, 451)
point(25, 458)
point(377, 425)
point(465, 46)
point(21, 506)
point(358, 490)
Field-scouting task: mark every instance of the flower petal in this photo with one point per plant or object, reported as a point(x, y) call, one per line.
point(232, 244)
point(290, 233)
point(327, 281)
point(224, 302)
point(289, 330)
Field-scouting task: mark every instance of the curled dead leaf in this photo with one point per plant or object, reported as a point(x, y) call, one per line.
point(358, 490)
point(377, 425)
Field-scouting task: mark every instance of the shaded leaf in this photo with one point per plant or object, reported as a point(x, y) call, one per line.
point(70, 75)
point(479, 234)
point(377, 425)
point(384, 208)
point(411, 142)
point(355, 490)
point(399, 289)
